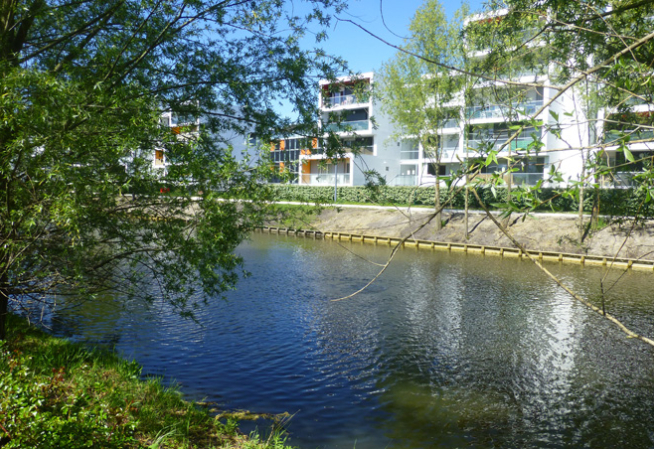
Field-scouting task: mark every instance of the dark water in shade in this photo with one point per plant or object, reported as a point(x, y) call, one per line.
point(444, 350)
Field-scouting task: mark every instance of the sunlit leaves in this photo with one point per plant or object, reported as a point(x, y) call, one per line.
point(82, 89)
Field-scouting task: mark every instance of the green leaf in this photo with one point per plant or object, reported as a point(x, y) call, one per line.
point(628, 155)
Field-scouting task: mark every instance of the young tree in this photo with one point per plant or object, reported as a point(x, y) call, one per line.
point(599, 54)
point(82, 88)
point(414, 92)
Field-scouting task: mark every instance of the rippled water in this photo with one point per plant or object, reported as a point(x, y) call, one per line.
point(444, 350)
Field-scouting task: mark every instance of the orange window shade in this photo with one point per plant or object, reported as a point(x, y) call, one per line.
point(272, 146)
point(158, 155)
point(314, 143)
point(282, 145)
point(281, 166)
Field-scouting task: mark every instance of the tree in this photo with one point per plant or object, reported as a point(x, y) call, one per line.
point(415, 93)
point(82, 88)
point(599, 53)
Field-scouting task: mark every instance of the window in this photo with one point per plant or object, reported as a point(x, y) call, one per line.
point(431, 170)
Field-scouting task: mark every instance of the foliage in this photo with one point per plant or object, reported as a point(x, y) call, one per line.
point(415, 86)
point(56, 394)
point(598, 53)
point(615, 202)
point(82, 90)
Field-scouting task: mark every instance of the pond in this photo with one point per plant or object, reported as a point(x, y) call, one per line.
point(443, 350)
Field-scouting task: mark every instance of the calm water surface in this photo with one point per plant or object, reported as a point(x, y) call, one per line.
point(444, 350)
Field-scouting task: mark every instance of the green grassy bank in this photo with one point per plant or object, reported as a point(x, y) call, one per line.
point(57, 394)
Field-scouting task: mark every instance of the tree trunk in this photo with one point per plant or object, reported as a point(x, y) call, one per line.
point(581, 201)
point(509, 185)
point(437, 198)
point(466, 210)
point(4, 303)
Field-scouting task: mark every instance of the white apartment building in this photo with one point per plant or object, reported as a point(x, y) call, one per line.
point(184, 131)
point(353, 115)
point(474, 127)
point(568, 132)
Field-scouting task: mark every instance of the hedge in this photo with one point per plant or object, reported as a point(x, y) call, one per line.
point(612, 202)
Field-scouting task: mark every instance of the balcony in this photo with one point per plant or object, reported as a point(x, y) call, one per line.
point(363, 149)
point(341, 100)
point(496, 142)
point(404, 180)
point(504, 112)
point(529, 179)
point(448, 152)
point(413, 153)
point(326, 179)
point(356, 125)
point(449, 123)
point(616, 136)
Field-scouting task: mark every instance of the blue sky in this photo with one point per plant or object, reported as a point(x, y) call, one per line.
point(363, 52)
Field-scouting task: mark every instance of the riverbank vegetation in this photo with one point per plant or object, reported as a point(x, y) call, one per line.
point(108, 98)
point(612, 202)
point(57, 394)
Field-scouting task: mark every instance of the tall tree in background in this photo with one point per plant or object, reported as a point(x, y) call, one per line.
point(599, 54)
point(82, 88)
point(414, 92)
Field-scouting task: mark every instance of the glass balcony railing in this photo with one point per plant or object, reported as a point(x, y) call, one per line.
point(404, 180)
point(410, 154)
point(498, 111)
point(326, 179)
point(615, 136)
point(341, 100)
point(449, 151)
point(530, 179)
point(449, 123)
point(495, 143)
point(368, 149)
point(356, 125)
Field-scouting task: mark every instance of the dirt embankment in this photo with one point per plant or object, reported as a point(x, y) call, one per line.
point(540, 232)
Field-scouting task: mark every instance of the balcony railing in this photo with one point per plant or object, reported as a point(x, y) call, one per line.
point(342, 100)
point(404, 180)
point(448, 152)
point(615, 136)
point(364, 149)
point(410, 154)
point(528, 108)
point(495, 143)
point(326, 179)
point(368, 149)
point(449, 123)
point(356, 125)
point(530, 179)
point(620, 179)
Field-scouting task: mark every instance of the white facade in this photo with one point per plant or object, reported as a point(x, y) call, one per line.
point(568, 132)
point(361, 120)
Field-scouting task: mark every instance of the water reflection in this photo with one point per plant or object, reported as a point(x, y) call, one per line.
point(445, 350)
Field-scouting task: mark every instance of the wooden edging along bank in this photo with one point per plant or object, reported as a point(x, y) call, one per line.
point(583, 259)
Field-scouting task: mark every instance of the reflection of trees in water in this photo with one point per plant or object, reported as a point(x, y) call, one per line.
point(495, 354)
point(444, 350)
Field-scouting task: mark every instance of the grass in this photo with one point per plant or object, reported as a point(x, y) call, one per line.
point(57, 394)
